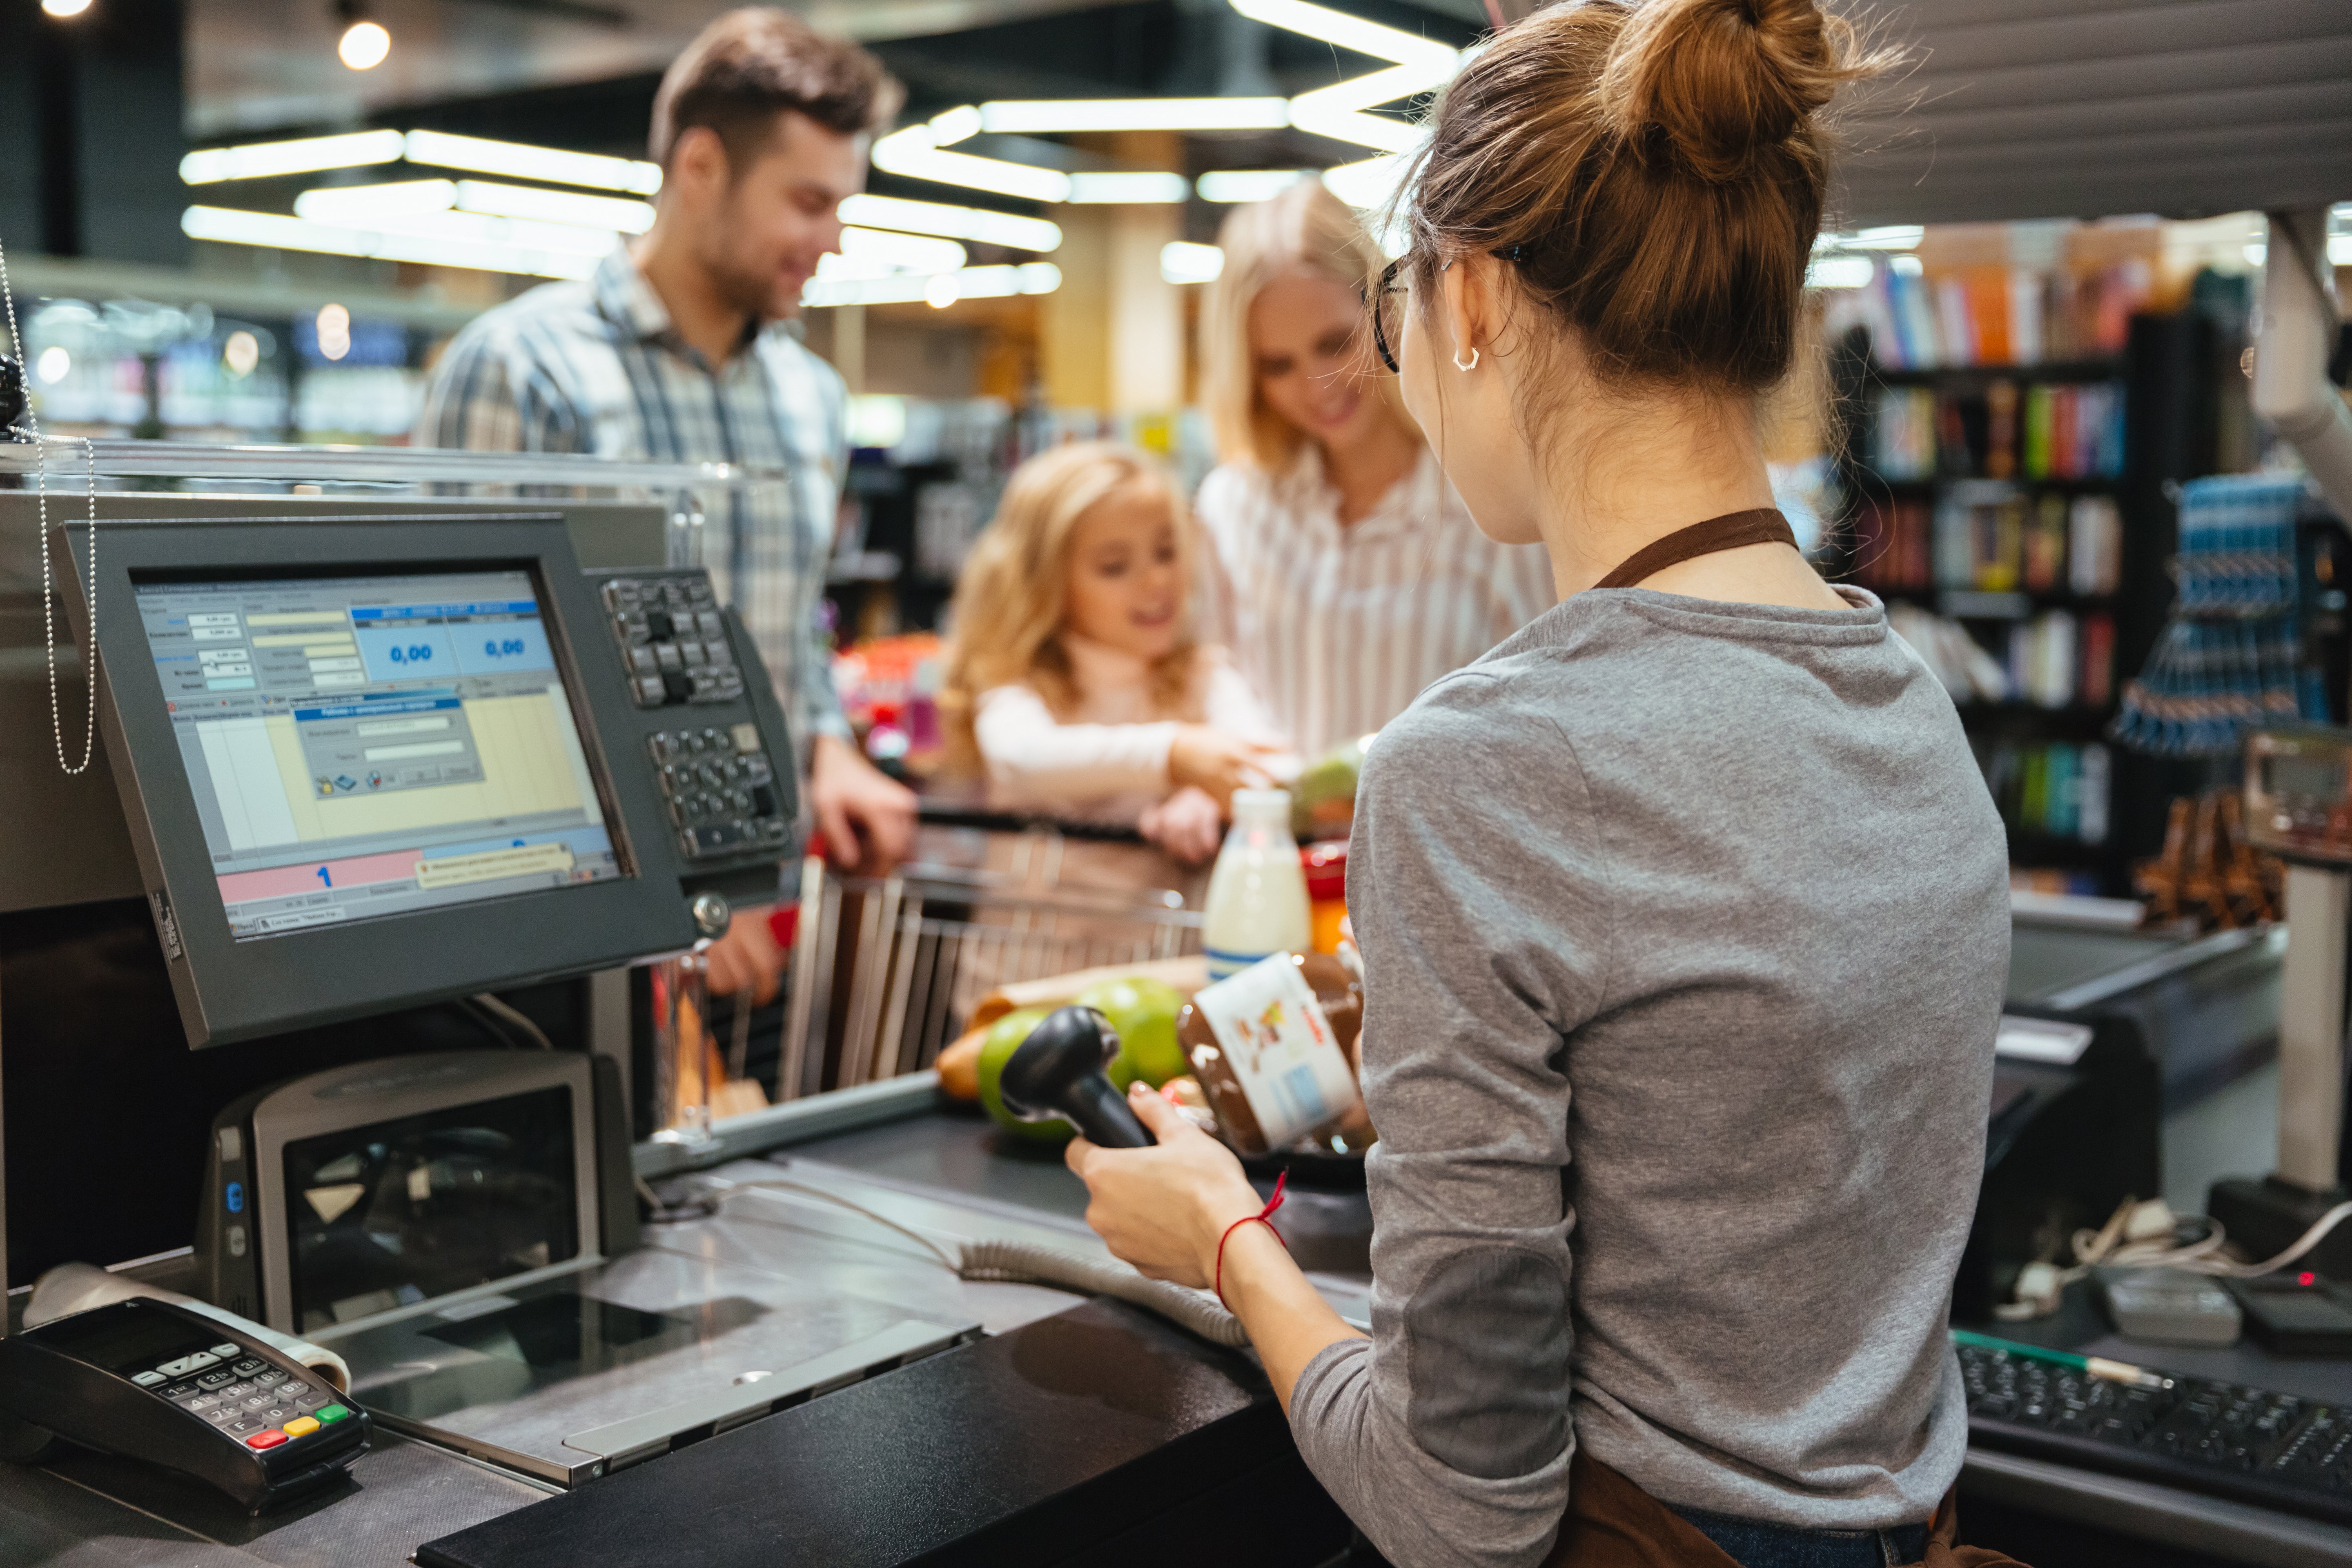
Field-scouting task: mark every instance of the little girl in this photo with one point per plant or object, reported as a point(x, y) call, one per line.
point(1075, 683)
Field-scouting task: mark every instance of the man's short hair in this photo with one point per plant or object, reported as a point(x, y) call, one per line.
point(751, 65)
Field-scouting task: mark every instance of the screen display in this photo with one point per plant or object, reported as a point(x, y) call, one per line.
point(399, 1212)
point(125, 1339)
point(2305, 778)
point(377, 745)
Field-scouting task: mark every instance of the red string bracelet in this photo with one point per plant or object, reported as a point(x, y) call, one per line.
point(1264, 1218)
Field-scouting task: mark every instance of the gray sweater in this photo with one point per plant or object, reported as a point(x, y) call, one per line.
point(1686, 926)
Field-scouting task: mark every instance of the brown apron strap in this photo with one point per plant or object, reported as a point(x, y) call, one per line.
point(1764, 525)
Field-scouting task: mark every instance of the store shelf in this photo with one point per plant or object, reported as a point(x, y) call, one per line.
point(2047, 371)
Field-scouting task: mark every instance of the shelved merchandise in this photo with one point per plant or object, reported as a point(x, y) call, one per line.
point(2010, 439)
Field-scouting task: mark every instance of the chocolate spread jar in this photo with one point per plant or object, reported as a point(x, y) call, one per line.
point(1273, 1071)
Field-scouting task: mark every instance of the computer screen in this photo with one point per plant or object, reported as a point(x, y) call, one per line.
point(375, 745)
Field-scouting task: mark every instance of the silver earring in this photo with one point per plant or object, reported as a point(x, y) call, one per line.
point(1473, 360)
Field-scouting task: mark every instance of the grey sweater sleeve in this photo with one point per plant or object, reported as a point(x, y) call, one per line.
point(1447, 1436)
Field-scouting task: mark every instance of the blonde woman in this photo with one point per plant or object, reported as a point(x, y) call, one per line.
point(1345, 574)
point(1076, 685)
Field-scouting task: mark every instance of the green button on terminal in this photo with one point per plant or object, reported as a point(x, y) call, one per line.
point(332, 1413)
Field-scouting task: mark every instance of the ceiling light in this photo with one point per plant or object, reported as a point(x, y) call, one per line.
point(941, 292)
point(1897, 237)
point(915, 153)
point(901, 252)
point(1369, 183)
point(273, 231)
point(1908, 266)
point(951, 126)
point(1247, 184)
point(1840, 272)
point(363, 204)
point(956, 223)
point(1327, 25)
point(262, 160)
point(1134, 187)
point(53, 365)
point(1338, 110)
point(1045, 116)
point(364, 46)
point(2339, 250)
point(63, 9)
point(1183, 262)
point(907, 287)
point(521, 161)
point(240, 354)
point(610, 214)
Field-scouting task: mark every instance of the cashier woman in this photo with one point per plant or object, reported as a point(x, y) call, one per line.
point(1684, 912)
point(680, 350)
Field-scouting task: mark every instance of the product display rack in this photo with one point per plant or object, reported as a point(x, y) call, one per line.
point(2034, 746)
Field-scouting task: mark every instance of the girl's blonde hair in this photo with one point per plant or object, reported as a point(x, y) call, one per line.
point(1011, 597)
point(1304, 229)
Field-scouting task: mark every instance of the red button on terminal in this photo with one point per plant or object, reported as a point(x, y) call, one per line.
point(265, 1439)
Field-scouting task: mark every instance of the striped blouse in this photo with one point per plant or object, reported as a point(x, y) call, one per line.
point(1338, 626)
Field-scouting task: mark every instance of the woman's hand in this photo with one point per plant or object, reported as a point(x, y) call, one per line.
point(1163, 1209)
point(1216, 763)
point(1187, 825)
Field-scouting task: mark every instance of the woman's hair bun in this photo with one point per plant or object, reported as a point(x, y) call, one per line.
point(1714, 81)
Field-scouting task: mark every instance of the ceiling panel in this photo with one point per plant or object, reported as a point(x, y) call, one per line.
point(2030, 109)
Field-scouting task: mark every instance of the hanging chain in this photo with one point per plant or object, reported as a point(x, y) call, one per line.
point(31, 430)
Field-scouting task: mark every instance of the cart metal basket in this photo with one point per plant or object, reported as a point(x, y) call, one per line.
point(886, 971)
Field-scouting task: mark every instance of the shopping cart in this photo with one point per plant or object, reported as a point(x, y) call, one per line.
point(886, 971)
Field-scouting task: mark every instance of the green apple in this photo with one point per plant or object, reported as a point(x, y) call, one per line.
point(1003, 1037)
point(1143, 1011)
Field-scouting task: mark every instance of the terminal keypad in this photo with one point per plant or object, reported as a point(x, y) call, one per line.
point(675, 640)
point(719, 788)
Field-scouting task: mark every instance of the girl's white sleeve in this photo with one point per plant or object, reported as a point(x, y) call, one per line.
point(1036, 758)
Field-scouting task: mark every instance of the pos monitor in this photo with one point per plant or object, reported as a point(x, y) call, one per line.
point(373, 763)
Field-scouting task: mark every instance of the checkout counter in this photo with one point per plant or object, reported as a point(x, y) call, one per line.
point(784, 1368)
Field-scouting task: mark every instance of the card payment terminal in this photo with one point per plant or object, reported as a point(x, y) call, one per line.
point(152, 1380)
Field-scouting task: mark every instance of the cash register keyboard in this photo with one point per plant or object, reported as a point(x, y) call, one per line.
point(2250, 1444)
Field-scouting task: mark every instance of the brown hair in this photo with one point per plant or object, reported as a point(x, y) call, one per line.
point(1009, 600)
point(749, 66)
point(1304, 229)
point(1655, 172)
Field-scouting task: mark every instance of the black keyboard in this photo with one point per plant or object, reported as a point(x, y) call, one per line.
point(2250, 1445)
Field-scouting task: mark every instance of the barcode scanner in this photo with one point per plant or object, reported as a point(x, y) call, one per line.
point(1058, 1071)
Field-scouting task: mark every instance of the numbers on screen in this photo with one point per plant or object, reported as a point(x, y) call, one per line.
point(414, 653)
point(505, 647)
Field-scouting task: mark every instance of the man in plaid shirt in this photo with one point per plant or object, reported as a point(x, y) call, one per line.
point(681, 349)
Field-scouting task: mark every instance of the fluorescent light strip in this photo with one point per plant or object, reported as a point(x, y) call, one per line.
point(910, 287)
point(1183, 262)
point(1133, 187)
point(1897, 237)
point(1036, 116)
point(1327, 25)
point(1338, 110)
point(903, 252)
point(363, 204)
point(1247, 184)
point(262, 160)
point(1840, 272)
point(519, 162)
point(610, 214)
point(955, 222)
point(915, 153)
point(273, 231)
point(1368, 182)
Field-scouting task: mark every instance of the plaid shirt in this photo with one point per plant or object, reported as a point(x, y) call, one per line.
point(595, 367)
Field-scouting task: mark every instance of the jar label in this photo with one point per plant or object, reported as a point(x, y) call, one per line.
point(1280, 1048)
